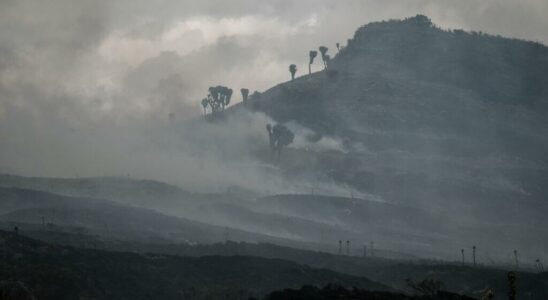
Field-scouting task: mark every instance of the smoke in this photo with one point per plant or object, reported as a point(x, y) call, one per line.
point(86, 87)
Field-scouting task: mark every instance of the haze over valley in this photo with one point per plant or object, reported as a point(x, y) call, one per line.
point(236, 152)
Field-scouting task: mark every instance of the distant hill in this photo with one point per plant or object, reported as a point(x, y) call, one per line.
point(466, 280)
point(135, 192)
point(57, 272)
point(38, 210)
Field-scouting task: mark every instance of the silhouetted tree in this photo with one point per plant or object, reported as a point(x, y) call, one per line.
point(326, 60)
point(323, 51)
point(292, 70)
point(245, 94)
point(279, 136)
point(218, 98)
point(228, 96)
point(312, 54)
point(338, 46)
point(270, 136)
point(213, 99)
point(205, 103)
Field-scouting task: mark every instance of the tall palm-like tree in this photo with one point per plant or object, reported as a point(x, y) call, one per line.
point(292, 70)
point(228, 96)
point(204, 105)
point(323, 51)
point(279, 136)
point(312, 54)
point(245, 94)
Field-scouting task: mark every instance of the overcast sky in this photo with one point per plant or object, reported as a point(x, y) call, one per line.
point(67, 66)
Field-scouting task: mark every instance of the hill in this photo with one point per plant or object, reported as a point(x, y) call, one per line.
point(452, 122)
point(60, 272)
point(467, 280)
point(42, 211)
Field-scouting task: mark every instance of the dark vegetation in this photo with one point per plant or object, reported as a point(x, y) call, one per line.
point(339, 293)
point(59, 272)
point(279, 136)
point(396, 273)
point(217, 99)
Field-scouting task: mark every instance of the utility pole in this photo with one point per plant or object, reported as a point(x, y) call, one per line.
point(516, 258)
point(540, 267)
point(462, 255)
point(347, 248)
point(340, 247)
point(474, 255)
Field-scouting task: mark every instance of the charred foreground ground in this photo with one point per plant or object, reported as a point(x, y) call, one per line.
point(32, 269)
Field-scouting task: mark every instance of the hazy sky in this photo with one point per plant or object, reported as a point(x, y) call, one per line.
point(80, 68)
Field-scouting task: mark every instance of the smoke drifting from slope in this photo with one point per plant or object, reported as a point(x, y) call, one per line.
point(86, 87)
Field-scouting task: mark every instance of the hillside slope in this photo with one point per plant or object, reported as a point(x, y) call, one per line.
point(426, 100)
point(450, 121)
point(37, 210)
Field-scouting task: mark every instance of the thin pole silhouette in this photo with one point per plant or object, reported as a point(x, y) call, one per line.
point(474, 255)
point(347, 248)
point(462, 255)
point(539, 265)
point(340, 247)
point(516, 258)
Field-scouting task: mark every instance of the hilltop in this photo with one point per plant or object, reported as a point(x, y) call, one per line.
point(450, 121)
